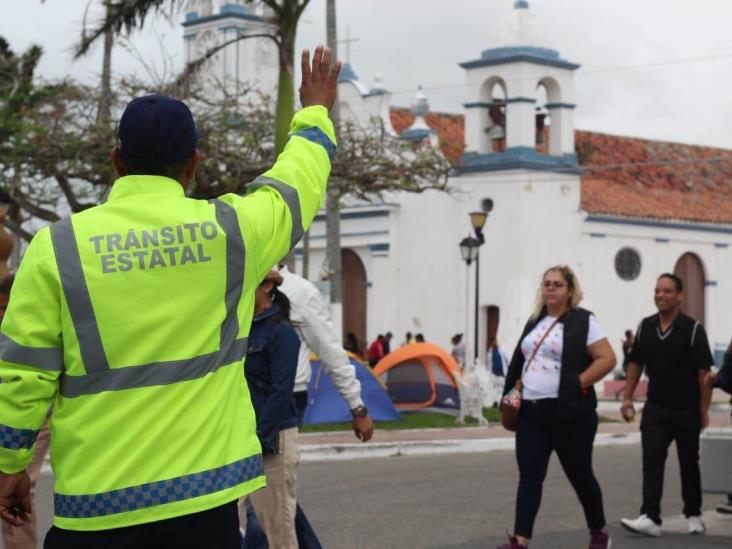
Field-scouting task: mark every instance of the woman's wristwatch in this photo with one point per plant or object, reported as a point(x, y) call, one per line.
point(360, 411)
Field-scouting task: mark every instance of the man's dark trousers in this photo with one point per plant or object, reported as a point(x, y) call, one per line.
point(216, 528)
point(659, 427)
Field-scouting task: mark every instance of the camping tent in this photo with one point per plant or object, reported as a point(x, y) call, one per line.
point(420, 375)
point(325, 405)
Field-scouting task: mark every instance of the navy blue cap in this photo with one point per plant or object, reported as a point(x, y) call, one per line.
point(159, 125)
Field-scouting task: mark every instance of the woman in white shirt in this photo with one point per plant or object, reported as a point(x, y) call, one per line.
point(562, 353)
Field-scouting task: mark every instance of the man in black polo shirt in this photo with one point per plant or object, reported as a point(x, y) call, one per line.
point(674, 350)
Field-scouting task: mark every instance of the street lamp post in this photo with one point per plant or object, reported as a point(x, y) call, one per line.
point(469, 249)
point(477, 220)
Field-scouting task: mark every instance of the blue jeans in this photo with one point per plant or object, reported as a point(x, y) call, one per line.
point(306, 537)
point(539, 433)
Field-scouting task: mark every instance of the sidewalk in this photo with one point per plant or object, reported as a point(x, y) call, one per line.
point(342, 445)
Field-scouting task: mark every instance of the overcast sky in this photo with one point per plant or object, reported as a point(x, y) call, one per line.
point(650, 68)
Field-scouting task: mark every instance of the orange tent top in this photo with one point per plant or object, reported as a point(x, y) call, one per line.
point(425, 354)
point(414, 351)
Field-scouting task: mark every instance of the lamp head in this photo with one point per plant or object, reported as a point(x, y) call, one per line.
point(469, 249)
point(477, 220)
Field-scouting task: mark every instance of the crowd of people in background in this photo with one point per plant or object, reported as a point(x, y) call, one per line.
point(379, 347)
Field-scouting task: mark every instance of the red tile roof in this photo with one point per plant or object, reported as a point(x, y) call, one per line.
point(626, 176)
point(653, 179)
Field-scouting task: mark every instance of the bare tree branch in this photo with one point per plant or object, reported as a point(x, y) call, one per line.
point(181, 86)
point(65, 185)
point(17, 229)
point(33, 209)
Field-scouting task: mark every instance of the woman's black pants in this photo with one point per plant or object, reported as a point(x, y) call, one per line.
point(538, 433)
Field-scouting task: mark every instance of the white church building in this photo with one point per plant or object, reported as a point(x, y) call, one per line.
point(619, 210)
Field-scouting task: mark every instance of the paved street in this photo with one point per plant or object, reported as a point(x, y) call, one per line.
point(466, 501)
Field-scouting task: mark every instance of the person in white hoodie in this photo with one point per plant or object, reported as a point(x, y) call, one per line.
point(310, 315)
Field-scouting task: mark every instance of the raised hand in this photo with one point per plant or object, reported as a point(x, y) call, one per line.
point(319, 80)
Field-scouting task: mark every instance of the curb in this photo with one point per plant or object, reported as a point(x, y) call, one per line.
point(343, 452)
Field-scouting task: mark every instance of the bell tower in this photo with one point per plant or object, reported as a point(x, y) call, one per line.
point(250, 62)
point(519, 100)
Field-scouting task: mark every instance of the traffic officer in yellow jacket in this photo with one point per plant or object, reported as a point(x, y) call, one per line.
point(131, 320)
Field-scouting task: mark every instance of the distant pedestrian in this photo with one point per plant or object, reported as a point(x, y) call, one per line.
point(387, 343)
point(561, 354)
point(419, 338)
point(408, 339)
point(723, 380)
point(458, 350)
point(376, 350)
point(352, 346)
point(497, 359)
point(673, 349)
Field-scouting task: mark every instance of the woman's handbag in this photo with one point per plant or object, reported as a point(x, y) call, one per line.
point(511, 403)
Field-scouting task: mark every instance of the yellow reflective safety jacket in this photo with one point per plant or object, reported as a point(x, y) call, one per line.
point(131, 320)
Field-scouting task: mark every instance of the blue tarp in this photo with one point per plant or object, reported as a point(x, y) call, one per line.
point(325, 405)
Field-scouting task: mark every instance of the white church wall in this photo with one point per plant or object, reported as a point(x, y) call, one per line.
point(367, 230)
point(429, 274)
point(535, 224)
point(620, 304)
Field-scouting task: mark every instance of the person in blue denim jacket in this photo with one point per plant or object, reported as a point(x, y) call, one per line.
point(270, 369)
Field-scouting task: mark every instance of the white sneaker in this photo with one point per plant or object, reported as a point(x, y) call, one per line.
point(696, 526)
point(642, 525)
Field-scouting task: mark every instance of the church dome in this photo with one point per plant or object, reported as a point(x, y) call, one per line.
point(520, 28)
point(519, 36)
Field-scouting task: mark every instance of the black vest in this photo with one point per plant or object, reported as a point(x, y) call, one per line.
point(575, 360)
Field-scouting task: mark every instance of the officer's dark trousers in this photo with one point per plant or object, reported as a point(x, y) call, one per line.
point(538, 433)
point(660, 426)
point(213, 529)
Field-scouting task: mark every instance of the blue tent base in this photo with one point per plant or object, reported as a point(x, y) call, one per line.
point(325, 404)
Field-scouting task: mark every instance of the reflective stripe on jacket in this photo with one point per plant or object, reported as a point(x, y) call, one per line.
point(132, 318)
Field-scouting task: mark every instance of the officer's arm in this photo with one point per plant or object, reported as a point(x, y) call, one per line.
point(31, 354)
point(281, 204)
point(283, 351)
